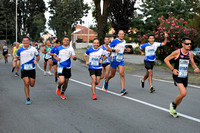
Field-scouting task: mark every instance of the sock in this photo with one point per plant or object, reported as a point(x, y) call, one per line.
point(28, 99)
point(56, 79)
point(174, 105)
point(13, 69)
point(62, 92)
point(59, 87)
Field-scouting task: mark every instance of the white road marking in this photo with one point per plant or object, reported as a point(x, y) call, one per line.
point(194, 86)
point(135, 100)
point(139, 101)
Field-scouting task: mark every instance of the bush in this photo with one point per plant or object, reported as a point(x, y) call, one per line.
point(176, 29)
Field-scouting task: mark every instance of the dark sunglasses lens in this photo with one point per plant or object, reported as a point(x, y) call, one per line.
point(188, 43)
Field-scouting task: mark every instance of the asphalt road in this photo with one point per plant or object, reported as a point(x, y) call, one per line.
point(138, 112)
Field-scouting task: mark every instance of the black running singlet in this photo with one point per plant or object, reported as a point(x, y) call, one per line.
point(182, 63)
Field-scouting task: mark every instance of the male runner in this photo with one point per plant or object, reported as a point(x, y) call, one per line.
point(95, 67)
point(63, 55)
point(27, 55)
point(57, 44)
point(117, 60)
point(149, 61)
point(182, 59)
point(47, 57)
point(5, 52)
point(106, 62)
point(13, 54)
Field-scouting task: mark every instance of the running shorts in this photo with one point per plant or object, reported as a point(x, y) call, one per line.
point(28, 73)
point(96, 72)
point(178, 80)
point(149, 64)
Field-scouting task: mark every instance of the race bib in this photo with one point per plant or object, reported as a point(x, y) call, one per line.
point(150, 52)
point(119, 56)
point(183, 68)
point(28, 66)
point(48, 55)
point(60, 69)
point(95, 61)
point(106, 60)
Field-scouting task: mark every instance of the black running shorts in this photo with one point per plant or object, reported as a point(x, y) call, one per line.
point(178, 80)
point(28, 73)
point(149, 64)
point(54, 63)
point(66, 73)
point(96, 72)
point(105, 65)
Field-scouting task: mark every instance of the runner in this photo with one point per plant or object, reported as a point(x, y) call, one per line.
point(27, 55)
point(57, 44)
point(106, 62)
point(5, 52)
point(47, 57)
point(182, 59)
point(149, 61)
point(117, 60)
point(64, 53)
point(13, 54)
point(95, 65)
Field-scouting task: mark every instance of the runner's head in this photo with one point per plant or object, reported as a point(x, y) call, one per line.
point(151, 38)
point(121, 34)
point(65, 41)
point(106, 40)
point(186, 43)
point(95, 43)
point(58, 43)
point(26, 41)
point(17, 44)
point(48, 43)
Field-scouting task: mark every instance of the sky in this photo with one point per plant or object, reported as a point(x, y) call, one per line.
point(87, 20)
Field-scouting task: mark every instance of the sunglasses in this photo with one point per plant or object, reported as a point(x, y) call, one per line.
point(188, 43)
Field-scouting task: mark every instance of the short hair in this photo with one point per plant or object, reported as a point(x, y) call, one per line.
point(151, 35)
point(66, 37)
point(106, 37)
point(120, 30)
point(58, 41)
point(95, 39)
point(25, 37)
point(186, 38)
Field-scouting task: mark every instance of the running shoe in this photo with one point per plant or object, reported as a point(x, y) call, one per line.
point(104, 89)
point(16, 74)
point(63, 96)
point(142, 83)
point(94, 97)
point(28, 102)
point(13, 69)
point(105, 85)
point(97, 84)
point(49, 73)
point(173, 111)
point(152, 89)
point(124, 92)
point(58, 92)
point(45, 73)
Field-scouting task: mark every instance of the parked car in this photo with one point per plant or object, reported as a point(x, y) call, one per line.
point(131, 47)
point(196, 51)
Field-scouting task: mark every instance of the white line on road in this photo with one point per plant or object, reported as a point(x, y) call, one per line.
point(194, 86)
point(139, 101)
point(133, 99)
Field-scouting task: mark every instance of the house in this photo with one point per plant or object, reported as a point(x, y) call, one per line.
point(83, 33)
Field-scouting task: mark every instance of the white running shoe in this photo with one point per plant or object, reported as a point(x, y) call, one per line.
point(45, 73)
point(49, 73)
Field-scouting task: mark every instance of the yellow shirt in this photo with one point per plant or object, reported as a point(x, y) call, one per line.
point(15, 51)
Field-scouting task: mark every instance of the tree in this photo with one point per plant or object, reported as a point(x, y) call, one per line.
point(65, 15)
point(152, 9)
point(101, 19)
point(121, 14)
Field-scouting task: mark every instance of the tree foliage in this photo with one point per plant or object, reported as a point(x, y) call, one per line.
point(65, 15)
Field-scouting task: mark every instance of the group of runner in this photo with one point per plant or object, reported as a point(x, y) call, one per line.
point(103, 63)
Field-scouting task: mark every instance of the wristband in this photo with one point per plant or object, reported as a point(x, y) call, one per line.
point(113, 50)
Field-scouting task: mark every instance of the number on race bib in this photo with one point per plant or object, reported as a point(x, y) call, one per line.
point(60, 69)
point(95, 62)
point(119, 57)
point(28, 66)
point(183, 68)
point(150, 52)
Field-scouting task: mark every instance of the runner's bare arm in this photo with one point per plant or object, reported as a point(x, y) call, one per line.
point(140, 50)
point(170, 57)
point(43, 50)
point(196, 69)
point(85, 58)
point(165, 41)
point(73, 57)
